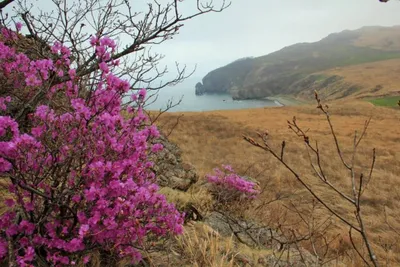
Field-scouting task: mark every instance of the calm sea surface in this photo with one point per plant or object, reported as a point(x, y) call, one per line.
point(191, 102)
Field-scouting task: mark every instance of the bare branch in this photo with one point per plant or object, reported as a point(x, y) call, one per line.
point(5, 3)
point(319, 172)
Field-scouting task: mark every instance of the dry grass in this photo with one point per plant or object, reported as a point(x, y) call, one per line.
point(370, 75)
point(200, 245)
point(196, 195)
point(209, 139)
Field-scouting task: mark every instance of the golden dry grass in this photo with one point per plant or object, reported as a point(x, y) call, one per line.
point(209, 139)
point(368, 76)
point(200, 245)
point(197, 195)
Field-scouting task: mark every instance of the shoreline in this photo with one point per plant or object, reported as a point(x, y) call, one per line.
point(282, 101)
point(279, 104)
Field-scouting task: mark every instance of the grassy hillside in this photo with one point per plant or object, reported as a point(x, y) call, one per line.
point(373, 80)
point(209, 139)
point(287, 71)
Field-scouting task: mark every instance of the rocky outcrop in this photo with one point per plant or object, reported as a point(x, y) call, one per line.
point(221, 80)
point(199, 89)
point(258, 236)
point(169, 168)
point(242, 231)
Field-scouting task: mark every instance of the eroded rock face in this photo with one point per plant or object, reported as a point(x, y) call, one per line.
point(243, 231)
point(199, 89)
point(169, 168)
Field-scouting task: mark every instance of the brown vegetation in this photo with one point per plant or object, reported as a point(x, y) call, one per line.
point(211, 138)
point(374, 79)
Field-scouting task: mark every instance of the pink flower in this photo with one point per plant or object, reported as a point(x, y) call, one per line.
point(29, 254)
point(75, 245)
point(12, 230)
point(94, 40)
point(4, 165)
point(24, 241)
point(18, 26)
point(86, 259)
point(29, 206)
point(156, 148)
point(76, 198)
point(116, 62)
point(7, 123)
point(56, 47)
point(3, 101)
point(72, 73)
point(88, 157)
point(83, 230)
point(38, 131)
point(228, 186)
point(106, 41)
point(9, 202)
point(26, 227)
point(142, 93)
point(32, 80)
point(103, 67)
point(3, 248)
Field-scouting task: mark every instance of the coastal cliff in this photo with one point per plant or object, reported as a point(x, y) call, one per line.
point(294, 69)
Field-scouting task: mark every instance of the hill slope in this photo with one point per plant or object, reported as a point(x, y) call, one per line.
point(295, 68)
point(209, 139)
point(368, 80)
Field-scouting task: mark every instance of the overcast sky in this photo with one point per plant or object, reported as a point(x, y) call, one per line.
point(259, 27)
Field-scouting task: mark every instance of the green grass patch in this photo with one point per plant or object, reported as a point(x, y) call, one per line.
point(390, 101)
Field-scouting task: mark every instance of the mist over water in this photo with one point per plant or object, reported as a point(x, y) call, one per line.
point(207, 102)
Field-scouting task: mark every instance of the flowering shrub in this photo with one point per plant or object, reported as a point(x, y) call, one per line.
point(80, 179)
point(228, 186)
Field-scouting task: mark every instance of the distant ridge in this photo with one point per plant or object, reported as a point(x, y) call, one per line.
point(296, 69)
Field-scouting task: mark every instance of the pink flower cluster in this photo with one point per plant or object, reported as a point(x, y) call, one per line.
point(81, 178)
point(22, 71)
point(227, 186)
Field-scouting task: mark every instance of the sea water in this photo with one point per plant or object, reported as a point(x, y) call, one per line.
point(189, 101)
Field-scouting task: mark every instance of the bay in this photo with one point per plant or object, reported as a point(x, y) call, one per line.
point(207, 102)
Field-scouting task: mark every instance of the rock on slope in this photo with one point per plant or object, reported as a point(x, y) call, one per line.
point(169, 168)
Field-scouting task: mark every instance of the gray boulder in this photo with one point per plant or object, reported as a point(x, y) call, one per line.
point(169, 168)
point(200, 90)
